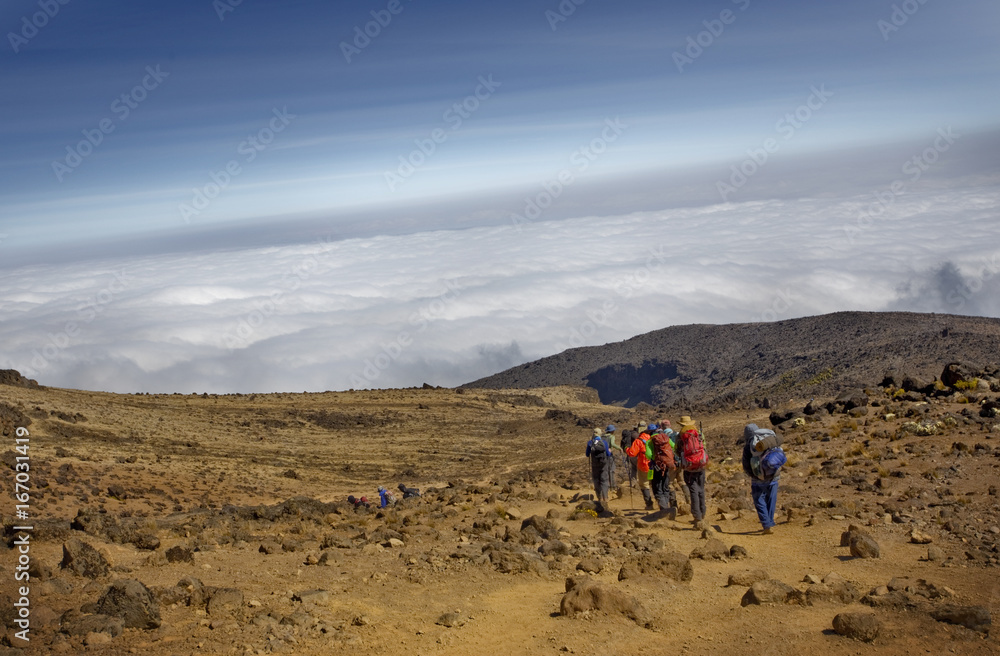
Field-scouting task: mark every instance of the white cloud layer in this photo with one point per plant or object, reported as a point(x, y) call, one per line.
point(450, 306)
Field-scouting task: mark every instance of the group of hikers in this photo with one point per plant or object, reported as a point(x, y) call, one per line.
point(385, 497)
point(655, 456)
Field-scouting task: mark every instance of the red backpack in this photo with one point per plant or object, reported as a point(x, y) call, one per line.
point(663, 454)
point(693, 453)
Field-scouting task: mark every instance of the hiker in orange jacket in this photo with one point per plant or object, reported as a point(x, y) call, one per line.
point(640, 451)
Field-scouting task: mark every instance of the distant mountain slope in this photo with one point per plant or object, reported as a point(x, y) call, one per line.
point(708, 366)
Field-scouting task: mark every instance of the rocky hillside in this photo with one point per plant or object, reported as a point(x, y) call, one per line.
point(739, 365)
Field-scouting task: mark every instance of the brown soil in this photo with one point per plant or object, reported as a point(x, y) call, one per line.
point(206, 472)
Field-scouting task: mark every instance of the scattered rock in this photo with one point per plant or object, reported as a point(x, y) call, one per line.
point(584, 595)
point(935, 554)
point(770, 591)
point(225, 600)
point(84, 560)
point(672, 565)
point(317, 597)
point(916, 537)
point(747, 578)
point(179, 554)
point(857, 626)
point(713, 549)
point(131, 601)
point(77, 624)
point(864, 546)
point(976, 618)
point(451, 620)
point(736, 552)
point(590, 566)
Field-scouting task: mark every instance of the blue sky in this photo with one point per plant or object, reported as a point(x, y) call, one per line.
point(120, 119)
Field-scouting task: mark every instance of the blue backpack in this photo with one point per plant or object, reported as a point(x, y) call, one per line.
point(766, 465)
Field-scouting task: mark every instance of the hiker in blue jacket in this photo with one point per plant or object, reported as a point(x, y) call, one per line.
point(763, 488)
point(601, 464)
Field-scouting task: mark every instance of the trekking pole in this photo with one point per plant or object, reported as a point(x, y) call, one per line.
point(628, 469)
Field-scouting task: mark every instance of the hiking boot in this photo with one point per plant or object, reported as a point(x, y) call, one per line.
point(767, 531)
point(649, 505)
point(672, 514)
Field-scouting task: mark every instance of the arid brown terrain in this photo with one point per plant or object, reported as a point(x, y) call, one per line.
point(219, 526)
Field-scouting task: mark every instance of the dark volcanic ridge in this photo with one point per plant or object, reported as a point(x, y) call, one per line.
point(706, 367)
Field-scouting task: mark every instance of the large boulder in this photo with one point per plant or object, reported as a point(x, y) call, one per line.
point(584, 595)
point(131, 601)
point(857, 626)
point(84, 560)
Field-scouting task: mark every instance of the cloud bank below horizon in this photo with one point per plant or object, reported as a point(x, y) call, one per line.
point(447, 307)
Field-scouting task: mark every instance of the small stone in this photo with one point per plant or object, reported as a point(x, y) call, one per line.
point(916, 537)
point(450, 620)
point(935, 554)
point(396, 543)
point(95, 639)
point(812, 579)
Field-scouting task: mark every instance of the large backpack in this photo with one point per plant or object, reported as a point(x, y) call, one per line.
point(693, 454)
point(662, 451)
point(765, 465)
point(599, 454)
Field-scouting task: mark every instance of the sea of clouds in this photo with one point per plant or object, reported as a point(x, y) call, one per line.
point(447, 307)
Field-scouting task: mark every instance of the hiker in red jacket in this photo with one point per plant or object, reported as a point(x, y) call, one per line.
point(638, 450)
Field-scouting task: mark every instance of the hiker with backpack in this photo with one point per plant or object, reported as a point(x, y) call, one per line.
point(408, 492)
point(763, 458)
point(601, 462)
point(386, 498)
point(642, 452)
point(663, 469)
point(609, 437)
point(693, 459)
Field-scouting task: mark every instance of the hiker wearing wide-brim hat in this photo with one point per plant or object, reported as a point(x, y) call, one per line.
point(693, 458)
